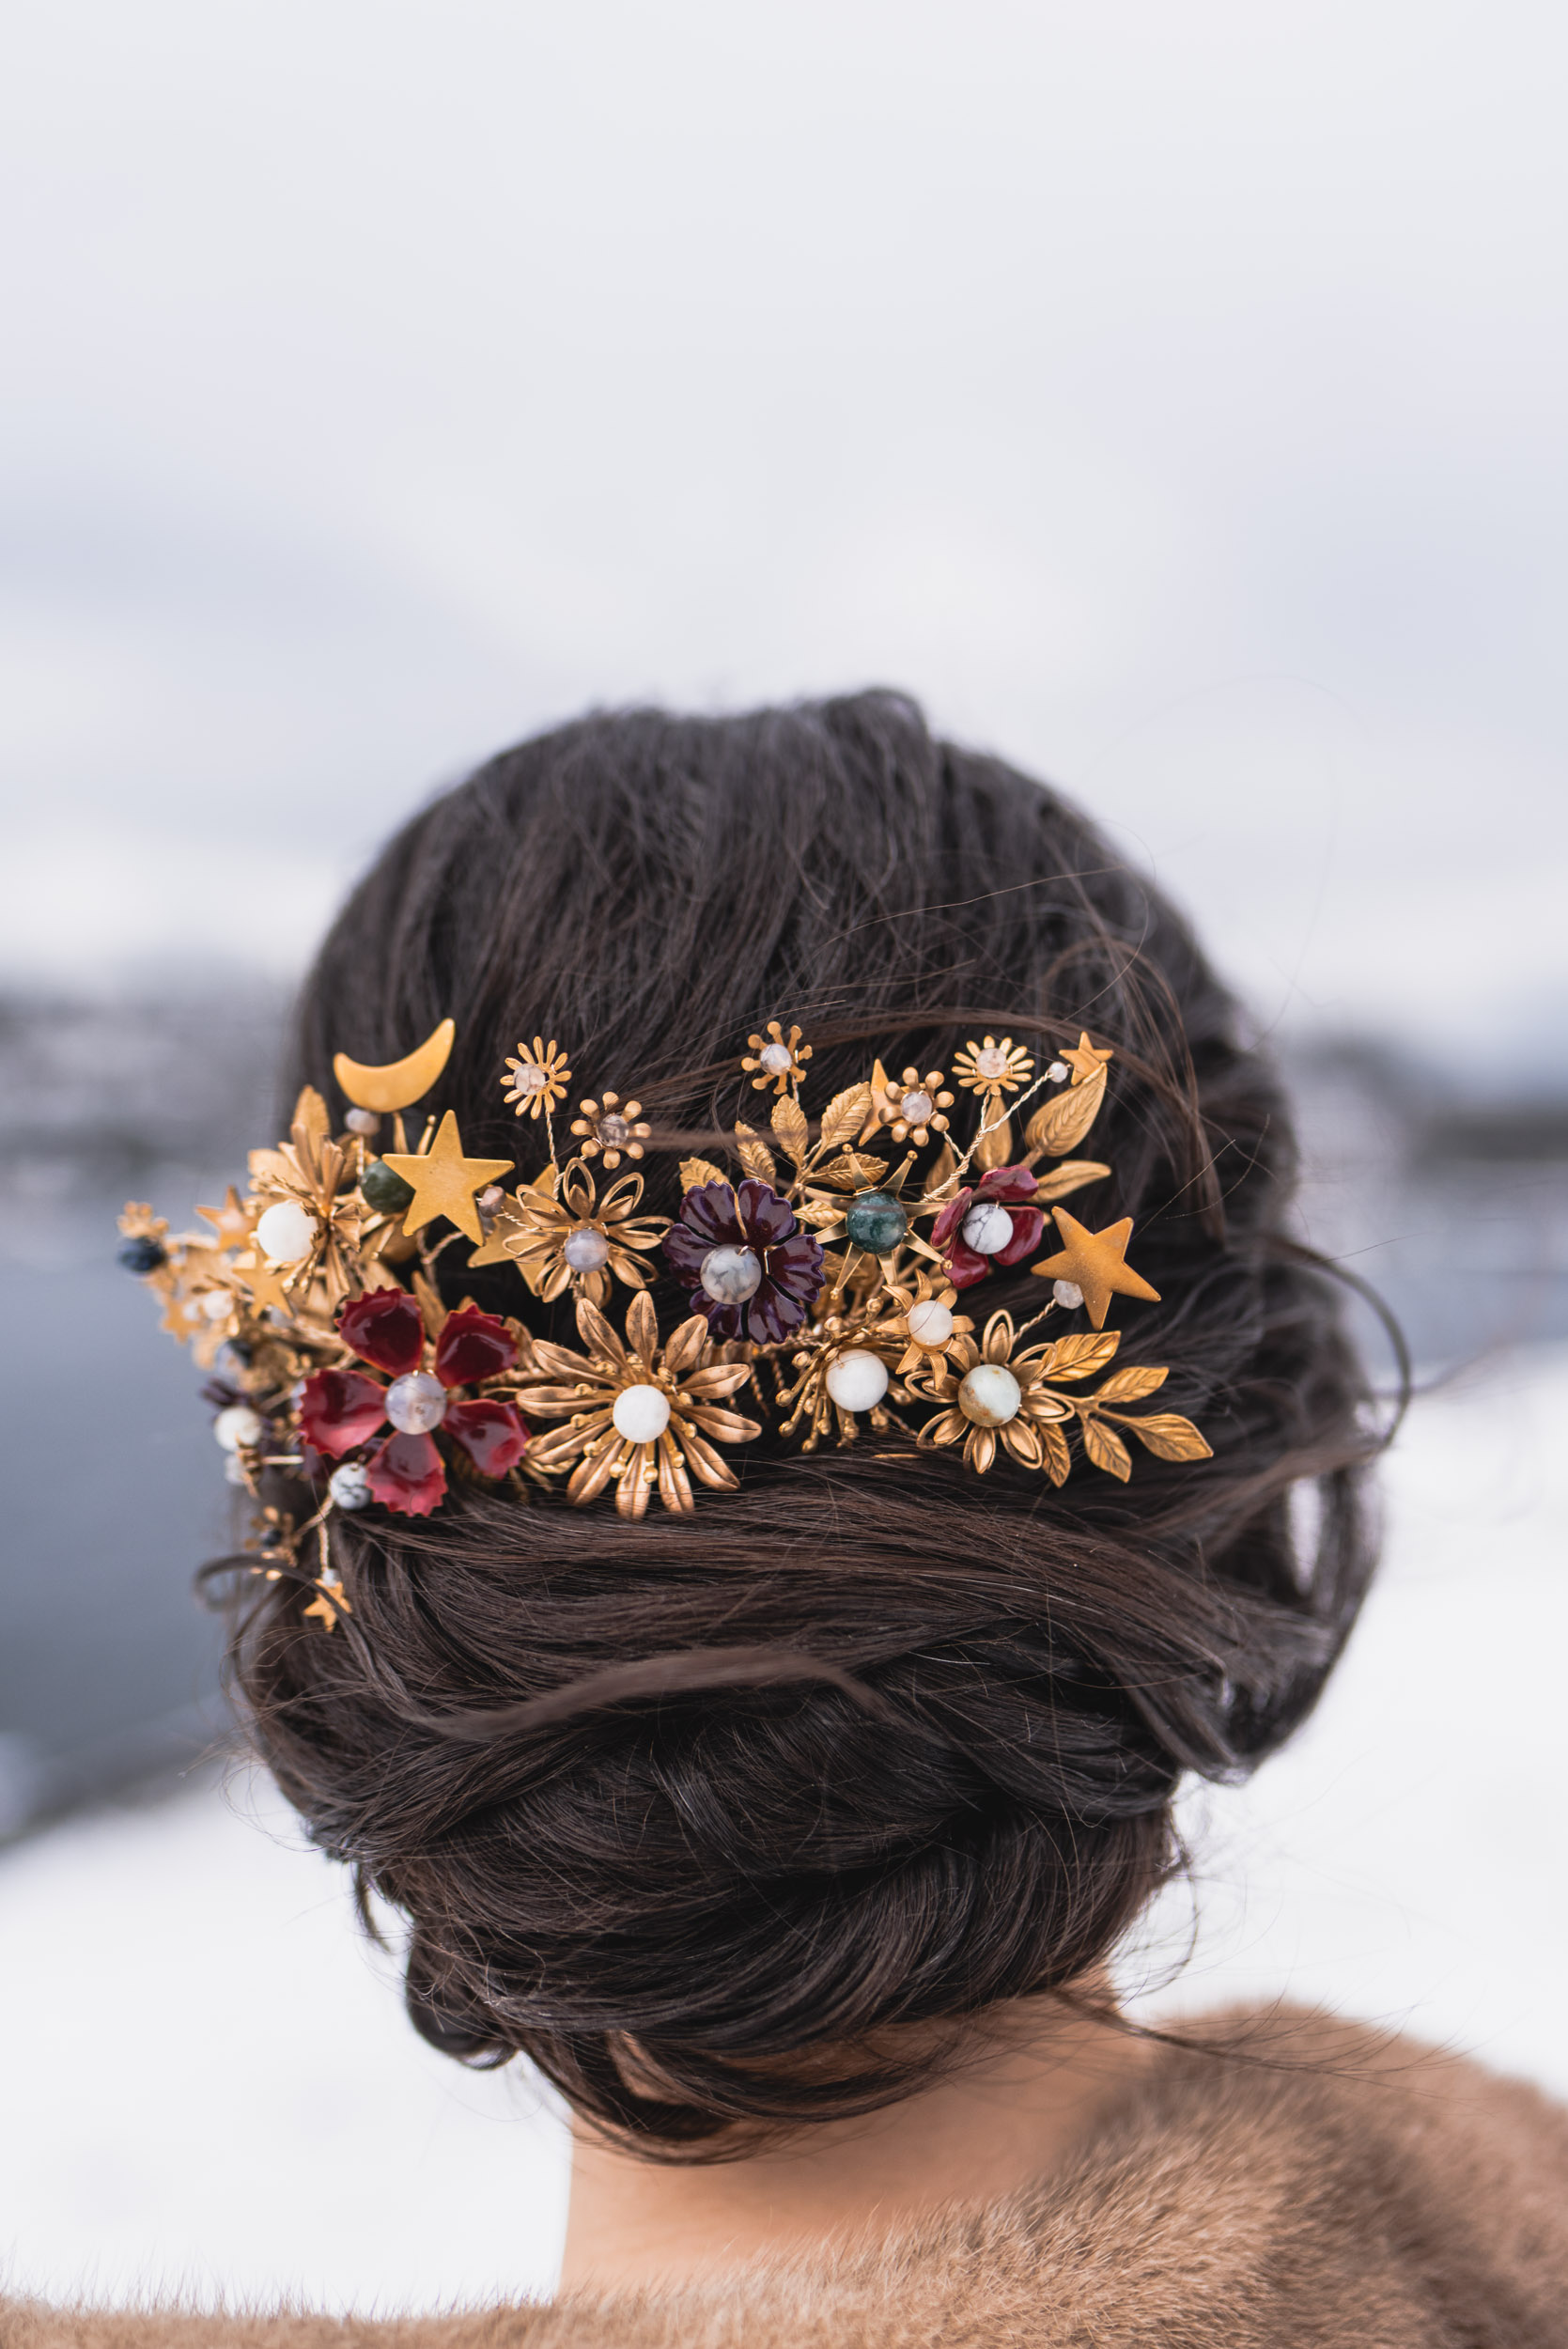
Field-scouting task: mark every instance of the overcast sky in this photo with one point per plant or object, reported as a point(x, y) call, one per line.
point(1172, 397)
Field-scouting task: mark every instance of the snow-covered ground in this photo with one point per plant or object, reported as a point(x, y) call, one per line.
point(208, 2082)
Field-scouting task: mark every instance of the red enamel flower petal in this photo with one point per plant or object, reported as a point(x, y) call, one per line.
point(1009, 1183)
point(340, 1408)
point(409, 1475)
point(950, 1218)
point(965, 1265)
point(386, 1327)
point(474, 1346)
point(491, 1434)
point(1027, 1224)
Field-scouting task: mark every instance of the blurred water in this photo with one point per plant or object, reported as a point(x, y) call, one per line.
point(1453, 1203)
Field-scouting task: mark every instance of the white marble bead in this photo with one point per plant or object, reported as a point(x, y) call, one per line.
point(349, 1485)
point(1057, 1070)
point(238, 1427)
point(930, 1322)
point(730, 1275)
point(775, 1058)
point(989, 1396)
point(234, 1469)
point(917, 1105)
point(217, 1305)
point(1067, 1293)
point(416, 1403)
point(529, 1077)
point(586, 1251)
point(287, 1232)
point(990, 1061)
point(640, 1414)
point(363, 1122)
point(988, 1228)
point(858, 1379)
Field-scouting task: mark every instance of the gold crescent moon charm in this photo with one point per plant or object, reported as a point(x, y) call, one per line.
point(400, 1083)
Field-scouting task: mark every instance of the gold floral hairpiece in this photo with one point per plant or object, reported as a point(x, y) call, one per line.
point(822, 1279)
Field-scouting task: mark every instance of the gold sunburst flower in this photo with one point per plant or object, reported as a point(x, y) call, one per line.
point(917, 1104)
point(611, 1125)
point(996, 1396)
point(634, 1413)
point(993, 1069)
point(539, 1078)
point(312, 1215)
point(779, 1061)
point(925, 1318)
point(559, 1235)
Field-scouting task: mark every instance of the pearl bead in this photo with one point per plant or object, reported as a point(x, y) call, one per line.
point(775, 1059)
point(585, 1250)
point(1057, 1070)
point(990, 1061)
point(916, 1106)
point(988, 1228)
point(1067, 1293)
point(930, 1322)
point(217, 1305)
point(237, 1427)
point(287, 1232)
point(234, 1470)
point(858, 1381)
point(989, 1396)
point(640, 1414)
point(363, 1122)
point(349, 1485)
point(416, 1403)
point(730, 1275)
point(876, 1221)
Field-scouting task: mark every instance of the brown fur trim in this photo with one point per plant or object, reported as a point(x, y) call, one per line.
point(1303, 2184)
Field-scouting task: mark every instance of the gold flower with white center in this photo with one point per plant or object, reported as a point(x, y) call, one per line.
point(778, 1060)
point(539, 1078)
point(561, 1235)
point(611, 1125)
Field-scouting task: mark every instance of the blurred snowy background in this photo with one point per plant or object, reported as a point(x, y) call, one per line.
point(1172, 399)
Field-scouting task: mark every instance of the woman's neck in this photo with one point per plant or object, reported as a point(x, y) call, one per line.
point(1010, 2114)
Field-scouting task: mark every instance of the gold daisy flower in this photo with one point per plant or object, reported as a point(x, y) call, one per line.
point(635, 1414)
point(312, 1217)
point(995, 1395)
point(611, 1125)
point(779, 1062)
point(993, 1069)
point(917, 1104)
point(561, 1235)
point(925, 1321)
point(539, 1078)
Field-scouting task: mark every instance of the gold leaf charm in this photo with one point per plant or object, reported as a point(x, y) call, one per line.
point(1105, 1447)
point(1062, 1181)
point(1060, 1125)
point(1078, 1357)
point(756, 1157)
point(1126, 1386)
point(789, 1124)
point(994, 1146)
point(1170, 1436)
point(694, 1171)
point(844, 1116)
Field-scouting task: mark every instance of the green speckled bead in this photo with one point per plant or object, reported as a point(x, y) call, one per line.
point(876, 1221)
point(384, 1190)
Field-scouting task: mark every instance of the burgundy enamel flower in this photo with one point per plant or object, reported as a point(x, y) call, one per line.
point(341, 1410)
point(992, 1224)
point(748, 1264)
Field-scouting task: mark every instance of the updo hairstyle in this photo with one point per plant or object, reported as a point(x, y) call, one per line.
point(693, 1811)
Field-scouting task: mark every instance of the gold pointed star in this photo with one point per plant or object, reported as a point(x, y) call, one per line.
point(265, 1286)
point(1085, 1058)
point(1095, 1261)
point(231, 1222)
point(445, 1181)
point(329, 1603)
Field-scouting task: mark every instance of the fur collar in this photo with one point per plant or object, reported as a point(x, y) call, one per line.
point(1303, 2184)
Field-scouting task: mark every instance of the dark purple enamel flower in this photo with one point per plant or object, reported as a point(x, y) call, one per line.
point(748, 1265)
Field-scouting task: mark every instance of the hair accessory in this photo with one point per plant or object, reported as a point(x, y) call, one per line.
point(820, 1277)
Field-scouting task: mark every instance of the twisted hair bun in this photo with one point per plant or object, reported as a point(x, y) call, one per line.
point(691, 1802)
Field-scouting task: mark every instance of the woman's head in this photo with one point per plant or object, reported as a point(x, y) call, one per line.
point(675, 1806)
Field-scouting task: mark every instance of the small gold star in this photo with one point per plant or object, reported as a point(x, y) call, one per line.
point(231, 1222)
point(1084, 1059)
point(329, 1603)
point(1094, 1262)
point(445, 1181)
point(265, 1286)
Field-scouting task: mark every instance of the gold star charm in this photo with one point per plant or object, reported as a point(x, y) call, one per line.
point(265, 1286)
point(231, 1222)
point(1084, 1059)
point(1094, 1262)
point(445, 1181)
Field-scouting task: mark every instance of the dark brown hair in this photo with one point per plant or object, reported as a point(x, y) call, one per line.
point(873, 1742)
